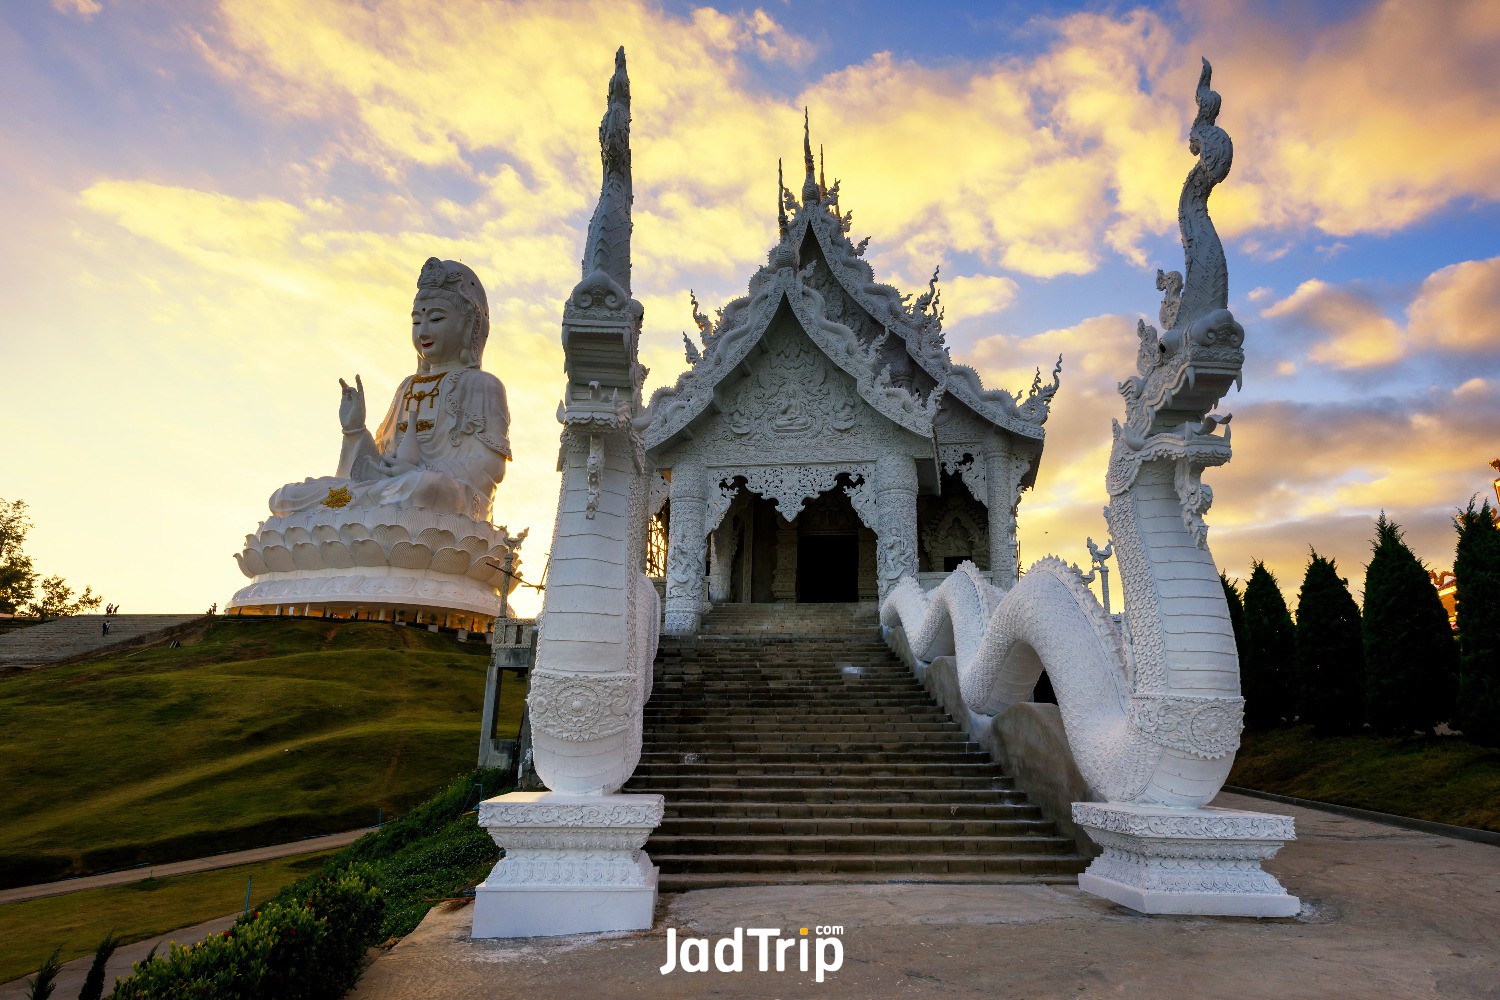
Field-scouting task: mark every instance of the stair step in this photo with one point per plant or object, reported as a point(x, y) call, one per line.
point(859, 844)
point(951, 864)
point(791, 747)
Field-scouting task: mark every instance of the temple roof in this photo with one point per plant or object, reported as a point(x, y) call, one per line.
point(816, 229)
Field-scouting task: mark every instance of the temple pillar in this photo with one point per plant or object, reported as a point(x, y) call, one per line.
point(896, 515)
point(784, 583)
point(721, 549)
point(687, 540)
point(1001, 490)
point(869, 587)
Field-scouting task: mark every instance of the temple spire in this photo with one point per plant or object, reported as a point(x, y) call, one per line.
point(607, 248)
point(810, 193)
point(822, 184)
point(780, 200)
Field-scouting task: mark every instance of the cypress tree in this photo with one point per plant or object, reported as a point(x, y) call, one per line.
point(1236, 609)
point(1476, 565)
point(1411, 659)
point(1268, 656)
point(1330, 651)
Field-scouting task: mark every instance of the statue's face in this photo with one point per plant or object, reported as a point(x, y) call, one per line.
point(438, 329)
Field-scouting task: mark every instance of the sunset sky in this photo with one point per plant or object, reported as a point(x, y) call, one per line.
point(214, 209)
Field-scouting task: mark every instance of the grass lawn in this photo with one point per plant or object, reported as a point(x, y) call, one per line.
point(1442, 779)
point(78, 921)
point(252, 732)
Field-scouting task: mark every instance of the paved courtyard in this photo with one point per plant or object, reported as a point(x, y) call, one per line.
point(1386, 913)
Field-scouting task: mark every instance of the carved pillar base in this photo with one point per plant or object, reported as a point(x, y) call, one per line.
point(573, 864)
point(1197, 861)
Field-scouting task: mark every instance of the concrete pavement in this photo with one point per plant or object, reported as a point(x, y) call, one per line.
point(1387, 913)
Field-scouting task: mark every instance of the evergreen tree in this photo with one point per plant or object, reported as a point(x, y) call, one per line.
point(1477, 568)
point(1268, 655)
point(1236, 609)
point(1411, 659)
point(1330, 651)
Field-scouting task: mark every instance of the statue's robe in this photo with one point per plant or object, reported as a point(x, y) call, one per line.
point(454, 428)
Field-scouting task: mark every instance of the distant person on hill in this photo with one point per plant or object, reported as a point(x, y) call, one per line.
point(213, 608)
point(106, 626)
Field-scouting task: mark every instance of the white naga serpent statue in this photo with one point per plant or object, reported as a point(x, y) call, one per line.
point(1150, 700)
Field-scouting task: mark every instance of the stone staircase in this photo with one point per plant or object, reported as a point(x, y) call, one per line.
point(792, 747)
point(80, 635)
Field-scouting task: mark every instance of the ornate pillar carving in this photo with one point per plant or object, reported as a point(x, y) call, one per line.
point(869, 587)
point(784, 583)
point(1002, 495)
point(687, 540)
point(896, 513)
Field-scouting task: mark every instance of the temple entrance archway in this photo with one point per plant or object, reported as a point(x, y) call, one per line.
point(825, 554)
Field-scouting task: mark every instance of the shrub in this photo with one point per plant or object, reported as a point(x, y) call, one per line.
point(1330, 651)
point(307, 949)
point(1476, 565)
point(93, 983)
point(1411, 659)
point(40, 986)
point(1268, 656)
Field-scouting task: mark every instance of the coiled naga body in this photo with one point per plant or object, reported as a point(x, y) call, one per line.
point(1150, 700)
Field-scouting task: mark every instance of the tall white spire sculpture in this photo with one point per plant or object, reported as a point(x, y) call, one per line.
point(573, 858)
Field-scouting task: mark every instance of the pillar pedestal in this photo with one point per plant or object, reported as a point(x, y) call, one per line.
point(1194, 861)
point(573, 864)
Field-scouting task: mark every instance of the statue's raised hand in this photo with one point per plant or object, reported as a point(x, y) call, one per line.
point(352, 406)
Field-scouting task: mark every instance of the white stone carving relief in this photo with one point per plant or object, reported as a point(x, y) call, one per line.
point(968, 461)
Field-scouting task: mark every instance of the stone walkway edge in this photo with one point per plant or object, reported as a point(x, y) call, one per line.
point(1470, 833)
point(212, 862)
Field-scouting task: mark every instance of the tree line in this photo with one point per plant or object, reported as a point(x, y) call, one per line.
point(1396, 665)
point(24, 591)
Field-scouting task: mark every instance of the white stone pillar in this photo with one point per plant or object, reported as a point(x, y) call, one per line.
point(1001, 487)
point(687, 541)
point(896, 515)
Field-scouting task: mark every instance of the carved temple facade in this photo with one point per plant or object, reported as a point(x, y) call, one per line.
point(822, 444)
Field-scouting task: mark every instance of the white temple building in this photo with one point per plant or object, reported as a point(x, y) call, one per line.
point(823, 445)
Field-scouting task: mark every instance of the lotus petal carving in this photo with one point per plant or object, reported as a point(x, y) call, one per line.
point(390, 535)
point(436, 538)
point(411, 539)
point(367, 552)
point(307, 556)
point(251, 563)
point(409, 556)
point(450, 560)
point(336, 554)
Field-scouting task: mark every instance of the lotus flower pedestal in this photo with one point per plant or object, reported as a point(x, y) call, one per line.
point(381, 561)
point(1195, 861)
point(573, 864)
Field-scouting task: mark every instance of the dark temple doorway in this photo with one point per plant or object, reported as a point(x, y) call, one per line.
point(827, 568)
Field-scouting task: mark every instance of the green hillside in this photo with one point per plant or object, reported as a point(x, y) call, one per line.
point(252, 732)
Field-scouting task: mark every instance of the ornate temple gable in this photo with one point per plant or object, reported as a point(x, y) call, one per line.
point(737, 345)
point(794, 407)
point(900, 342)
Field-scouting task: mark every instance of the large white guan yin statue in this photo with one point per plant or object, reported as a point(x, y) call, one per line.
point(573, 860)
point(405, 521)
point(1150, 702)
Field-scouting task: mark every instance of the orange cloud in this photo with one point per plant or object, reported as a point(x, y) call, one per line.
point(1458, 308)
point(1347, 330)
